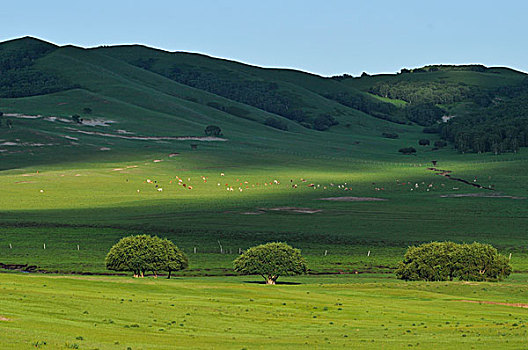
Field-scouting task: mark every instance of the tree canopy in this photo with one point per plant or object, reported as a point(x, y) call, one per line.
point(142, 253)
point(443, 261)
point(271, 260)
point(213, 130)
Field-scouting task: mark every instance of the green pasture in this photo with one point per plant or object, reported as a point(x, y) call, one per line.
point(92, 205)
point(368, 312)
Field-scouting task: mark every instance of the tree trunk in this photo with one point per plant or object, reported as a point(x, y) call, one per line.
point(271, 279)
point(142, 274)
point(169, 276)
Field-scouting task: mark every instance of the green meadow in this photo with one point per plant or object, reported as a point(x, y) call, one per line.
point(139, 163)
point(372, 312)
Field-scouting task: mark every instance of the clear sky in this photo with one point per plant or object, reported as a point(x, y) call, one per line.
point(326, 37)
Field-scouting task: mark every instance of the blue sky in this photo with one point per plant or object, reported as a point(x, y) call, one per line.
point(325, 37)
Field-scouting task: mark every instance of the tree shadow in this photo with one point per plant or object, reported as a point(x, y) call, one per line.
point(278, 282)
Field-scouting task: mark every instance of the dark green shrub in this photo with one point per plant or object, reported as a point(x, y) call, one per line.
point(324, 122)
point(390, 135)
point(213, 130)
point(407, 150)
point(424, 142)
point(440, 143)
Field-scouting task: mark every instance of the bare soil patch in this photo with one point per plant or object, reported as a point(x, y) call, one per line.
point(481, 195)
point(525, 306)
point(151, 138)
point(5, 319)
point(354, 199)
point(258, 212)
point(294, 210)
point(97, 122)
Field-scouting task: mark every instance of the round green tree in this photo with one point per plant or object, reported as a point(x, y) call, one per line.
point(271, 260)
point(142, 253)
point(173, 258)
point(482, 262)
point(442, 261)
point(435, 261)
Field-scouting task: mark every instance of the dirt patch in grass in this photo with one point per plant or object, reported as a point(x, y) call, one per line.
point(481, 195)
point(150, 138)
point(354, 199)
point(294, 210)
point(5, 319)
point(525, 306)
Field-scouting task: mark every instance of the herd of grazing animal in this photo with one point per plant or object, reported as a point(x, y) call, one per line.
point(243, 185)
point(239, 185)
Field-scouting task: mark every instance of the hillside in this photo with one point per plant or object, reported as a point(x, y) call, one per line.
point(486, 107)
point(135, 99)
point(130, 99)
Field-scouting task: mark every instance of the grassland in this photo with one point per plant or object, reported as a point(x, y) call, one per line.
point(78, 188)
point(369, 312)
point(95, 204)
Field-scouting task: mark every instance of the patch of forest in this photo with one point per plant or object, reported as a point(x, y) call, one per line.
point(19, 78)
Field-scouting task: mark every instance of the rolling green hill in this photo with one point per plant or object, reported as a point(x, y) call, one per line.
point(112, 84)
point(127, 93)
point(486, 106)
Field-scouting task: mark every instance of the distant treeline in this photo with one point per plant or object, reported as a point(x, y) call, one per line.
point(368, 105)
point(18, 78)
point(437, 92)
point(501, 128)
point(496, 121)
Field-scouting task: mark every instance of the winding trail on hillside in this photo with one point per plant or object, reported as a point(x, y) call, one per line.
point(447, 173)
